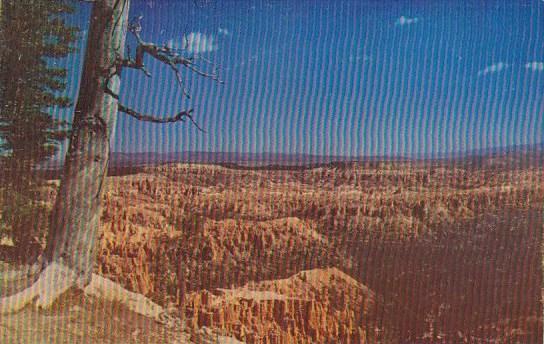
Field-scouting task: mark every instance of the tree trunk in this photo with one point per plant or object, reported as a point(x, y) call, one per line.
point(75, 220)
point(73, 234)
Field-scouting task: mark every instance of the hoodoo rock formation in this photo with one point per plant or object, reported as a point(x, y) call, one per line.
point(316, 306)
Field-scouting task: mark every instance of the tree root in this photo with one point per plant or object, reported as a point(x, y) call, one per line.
point(56, 279)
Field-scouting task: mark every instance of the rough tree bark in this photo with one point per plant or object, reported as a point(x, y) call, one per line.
point(71, 245)
point(72, 242)
point(76, 215)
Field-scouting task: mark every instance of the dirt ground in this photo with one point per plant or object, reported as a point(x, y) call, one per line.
point(77, 318)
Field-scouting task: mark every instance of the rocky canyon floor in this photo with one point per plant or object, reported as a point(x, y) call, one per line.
point(385, 252)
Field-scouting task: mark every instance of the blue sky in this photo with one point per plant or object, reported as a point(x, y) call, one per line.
point(340, 77)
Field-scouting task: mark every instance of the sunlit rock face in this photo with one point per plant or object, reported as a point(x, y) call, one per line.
point(316, 306)
point(229, 249)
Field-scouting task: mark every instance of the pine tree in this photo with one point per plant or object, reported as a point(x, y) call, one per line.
point(33, 34)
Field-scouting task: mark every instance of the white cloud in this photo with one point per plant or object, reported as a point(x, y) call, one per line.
point(406, 20)
point(494, 68)
point(195, 42)
point(535, 66)
point(223, 31)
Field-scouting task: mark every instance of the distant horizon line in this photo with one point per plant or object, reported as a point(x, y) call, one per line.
point(394, 155)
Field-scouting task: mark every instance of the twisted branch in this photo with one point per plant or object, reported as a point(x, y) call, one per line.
point(163, 54)
point(166, 55)
point(179, 117)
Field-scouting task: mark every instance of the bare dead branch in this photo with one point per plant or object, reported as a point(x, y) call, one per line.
point(206, 60)
point(129, 63)
point(212, 76)
point(179, 117)
point(180, 81)
point(186, 40)
point(163, 54)
point(167, 56)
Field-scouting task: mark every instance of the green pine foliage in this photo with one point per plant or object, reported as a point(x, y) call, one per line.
point(33, 34)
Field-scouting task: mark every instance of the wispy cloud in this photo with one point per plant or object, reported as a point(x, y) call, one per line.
point(406, 21)
point(195, 42)
point(535, 66)
point(494, 68)
point(223, 31)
